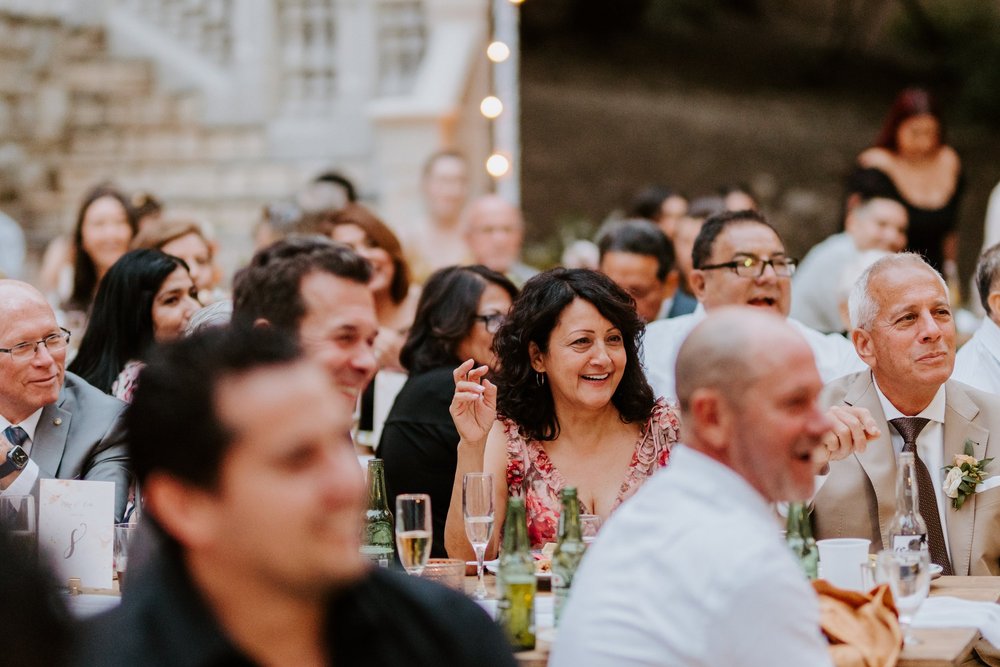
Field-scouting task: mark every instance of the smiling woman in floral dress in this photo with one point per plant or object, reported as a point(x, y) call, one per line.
point(573, 407)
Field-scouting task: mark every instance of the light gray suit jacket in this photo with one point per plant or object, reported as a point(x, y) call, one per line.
point(858, 499)
point(80, 436)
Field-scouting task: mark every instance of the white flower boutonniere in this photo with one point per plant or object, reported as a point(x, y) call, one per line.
point(962, 476)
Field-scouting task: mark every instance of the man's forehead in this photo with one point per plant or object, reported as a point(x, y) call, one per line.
point(902, 287)
point(749, 238)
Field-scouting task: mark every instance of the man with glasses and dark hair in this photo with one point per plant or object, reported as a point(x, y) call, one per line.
point(54, 424)
point(739, 260)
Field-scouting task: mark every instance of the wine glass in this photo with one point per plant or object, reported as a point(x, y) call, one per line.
point(477, 507)
point(413, 531)
point(908, 574)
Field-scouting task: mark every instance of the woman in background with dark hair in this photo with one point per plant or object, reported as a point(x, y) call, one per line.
point(146, 297)
point(460, 310)
point(573, 407)
point(924, 173)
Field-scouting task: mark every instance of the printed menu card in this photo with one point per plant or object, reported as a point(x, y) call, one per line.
point(76, 529)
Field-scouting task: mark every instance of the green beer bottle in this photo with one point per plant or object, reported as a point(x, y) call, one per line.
point(516, 580)
point(378, 542)
point(800, 539)
point(569, 550)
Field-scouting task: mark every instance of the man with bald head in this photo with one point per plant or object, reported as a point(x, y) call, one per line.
point(54, 424)
point(494, 232)
point(904, 331)
point(693, 570)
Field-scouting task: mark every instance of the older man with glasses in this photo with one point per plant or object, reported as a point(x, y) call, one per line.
point(54, 424)
point(739, 260)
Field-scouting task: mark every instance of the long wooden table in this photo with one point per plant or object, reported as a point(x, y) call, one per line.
point(944, 647)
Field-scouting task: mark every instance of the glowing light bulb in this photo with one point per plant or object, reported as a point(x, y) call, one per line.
point(516, 2)
point(498, 52)
point(497, 165)
point(491, 106)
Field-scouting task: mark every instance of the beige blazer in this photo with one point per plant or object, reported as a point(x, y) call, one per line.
point(858, 499)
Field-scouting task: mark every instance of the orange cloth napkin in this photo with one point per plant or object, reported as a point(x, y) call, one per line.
point(863, 628)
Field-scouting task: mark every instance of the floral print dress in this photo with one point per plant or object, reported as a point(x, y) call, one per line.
point(531, 475)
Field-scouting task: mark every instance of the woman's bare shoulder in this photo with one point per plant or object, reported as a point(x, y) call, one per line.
point(877, 157)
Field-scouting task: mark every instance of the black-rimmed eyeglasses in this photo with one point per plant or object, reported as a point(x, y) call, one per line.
point(753, 267)
point(56, 342)
point(492, 321)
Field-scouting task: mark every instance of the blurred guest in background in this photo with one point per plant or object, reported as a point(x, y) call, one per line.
point(436, 240)
point(147, 297)
point(395, 296)
point(738, 197)
point(977, 363)
point(330, 191)
point(685, 233)
point(68, 429)
point(246, 460)
point(640, 259)
point(739, 260)
point(12, 247)
point(665, 585)
point(494, 232)
point(924, 173)
point(146, 208)
point(278, 219)
point(660, 205)
point(872, 223)
point(185, 238)
point(461, 308)
point(315, 291)
point(574, 407)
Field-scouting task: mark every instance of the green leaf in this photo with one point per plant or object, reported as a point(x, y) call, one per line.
point(958, 502)
point(969, 451)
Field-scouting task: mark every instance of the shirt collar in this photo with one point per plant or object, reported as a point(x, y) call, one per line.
point(934, 410)
point(29, 425)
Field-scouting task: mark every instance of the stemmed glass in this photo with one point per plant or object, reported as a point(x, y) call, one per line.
point(413, 531)
point(908, 574)
point(589, 525)
point(477, 507)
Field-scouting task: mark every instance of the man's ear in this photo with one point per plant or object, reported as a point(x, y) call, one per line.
point(993, 300)
point(696, 281)
point(535, 354)
point(864, 345)
point(714, 421)
point(261, 322)
point(185, 511)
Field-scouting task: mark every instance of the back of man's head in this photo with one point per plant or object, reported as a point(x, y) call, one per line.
point(639, 237)
point(172, 423)
point(269, 288)
point(988, 281)
point(716, 225)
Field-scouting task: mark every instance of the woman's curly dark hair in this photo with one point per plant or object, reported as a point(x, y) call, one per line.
point(532, 318)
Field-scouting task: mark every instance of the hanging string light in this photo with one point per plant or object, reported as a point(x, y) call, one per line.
point(491, 107)
point(501, 106)
point(497, 51)
point(497, 165)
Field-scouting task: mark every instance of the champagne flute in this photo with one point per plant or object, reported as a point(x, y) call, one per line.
point(908, 574)
point(477, 507)
point(413, 531)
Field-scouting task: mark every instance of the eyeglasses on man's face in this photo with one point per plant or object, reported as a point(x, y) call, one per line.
point(56, 342)
point(491, 321)
point(751, 266)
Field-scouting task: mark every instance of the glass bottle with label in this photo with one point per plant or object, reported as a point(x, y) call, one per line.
point(516, 580)
point(907, 530)
point(378, 542)
point(569, 550)
point(798, 534)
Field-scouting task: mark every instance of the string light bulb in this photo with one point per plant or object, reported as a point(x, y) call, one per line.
point(516, 2)
point(491, 106)
point(497, 165)
point(497, 51)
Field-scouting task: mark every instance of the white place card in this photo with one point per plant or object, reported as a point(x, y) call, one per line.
point(76, 529)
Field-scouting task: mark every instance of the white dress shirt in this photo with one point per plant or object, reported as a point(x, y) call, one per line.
point(977, 363)
point(815, 284)
point(691, 571)
point(835, 355)
point(25, 482)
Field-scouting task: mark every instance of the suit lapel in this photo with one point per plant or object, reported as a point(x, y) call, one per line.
point(960, 411)
point(50, 439)
point(878, 460)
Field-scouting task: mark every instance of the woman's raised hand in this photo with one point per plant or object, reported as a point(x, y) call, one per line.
point(474, 406)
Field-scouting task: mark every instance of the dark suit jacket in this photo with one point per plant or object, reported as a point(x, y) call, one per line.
point(80, 436)
point(858, 499)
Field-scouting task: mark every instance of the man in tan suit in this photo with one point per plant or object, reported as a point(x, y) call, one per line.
point(903, 329)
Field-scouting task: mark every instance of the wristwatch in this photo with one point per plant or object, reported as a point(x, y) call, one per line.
point(17, 458)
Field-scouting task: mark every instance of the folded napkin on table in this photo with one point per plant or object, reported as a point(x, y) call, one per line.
point(942, 611)
point(862, 627)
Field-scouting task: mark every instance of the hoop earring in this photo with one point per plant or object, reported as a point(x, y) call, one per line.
point(540, 379)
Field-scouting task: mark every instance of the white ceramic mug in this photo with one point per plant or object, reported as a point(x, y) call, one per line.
point(841, 560)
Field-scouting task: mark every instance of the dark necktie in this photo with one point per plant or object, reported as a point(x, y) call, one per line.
point(16, 435)
point(909, 428)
